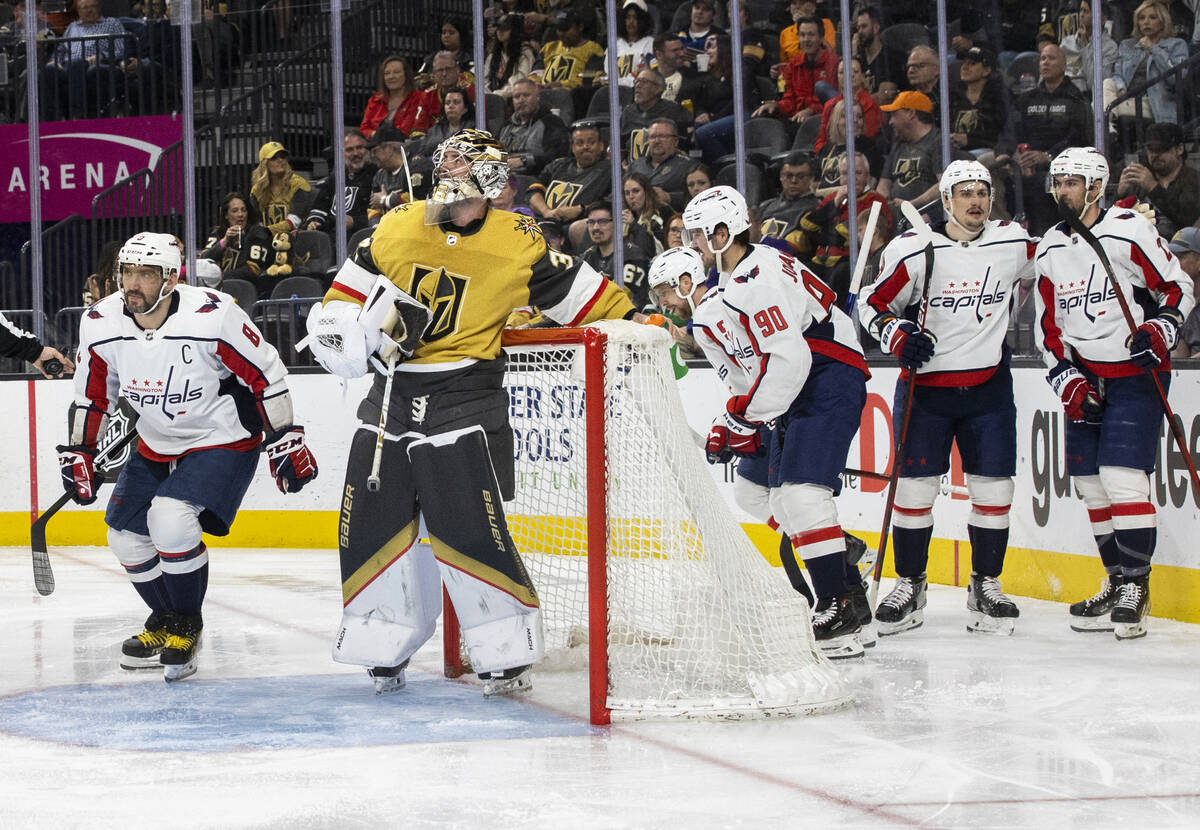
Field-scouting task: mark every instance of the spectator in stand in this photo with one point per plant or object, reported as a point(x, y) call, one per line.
point(810, 77)
point(635, 41)
point(390, 187)
point(569, 184)
point(789, 38)
point(674, 234)
point(865, 104)
point(1077, 48)
point(979, 105)
point(1045, 121)
point(1163, 178)
point(669, 61)
point(699, 28)
point(883, 69)
point(280, 195)
point(827, 173)
point(238, 243)
point(510, 57)
point(458, 113)
point(446, 76)
point(88, 63)
point(648, 106)
point(663, 165)
point(714, 100)
point(1185, 244)
point(565, 59)
point(455, 39)
point(513, 198)
point(912, 169)
point(643, 208)
point(396, 101)
point(1149, 53)
point(699, 178)
point(356, 200)
point(103, 281)
point(781, 215)
point(922, 73)
point(534, 136)
point(600, 255)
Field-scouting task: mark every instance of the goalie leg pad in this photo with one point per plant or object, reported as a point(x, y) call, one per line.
point(492, 593)
point(391, 590)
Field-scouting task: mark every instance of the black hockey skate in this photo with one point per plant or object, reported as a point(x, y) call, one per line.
point(862, 610)
point(1132, 608)
point(142, 651)
point(1092, 614)
point(836, 627)
point(180, 652)
point(506, 682)
point(903, 608)
point(991, 611)
point(388, 679)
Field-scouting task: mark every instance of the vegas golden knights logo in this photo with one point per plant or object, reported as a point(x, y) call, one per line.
point(562, 194)
point(908, 171)
point(966, 122)
point(775, 228)
point(624, 66)
point(443, 293)
point(829, 169)
point(637, 144)
point(559, 70)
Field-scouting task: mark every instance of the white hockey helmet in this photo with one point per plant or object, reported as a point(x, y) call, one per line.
point(487, 167)
point(669, 267)
point(152, 249)
point(719, 205)
point(1087, 162)
point(961, 171)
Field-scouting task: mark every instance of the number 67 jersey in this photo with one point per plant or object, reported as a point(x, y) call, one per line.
point(771, 321)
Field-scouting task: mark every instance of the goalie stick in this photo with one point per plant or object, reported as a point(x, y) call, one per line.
point(921, 229)
point(43, 574)
point(1085, 233)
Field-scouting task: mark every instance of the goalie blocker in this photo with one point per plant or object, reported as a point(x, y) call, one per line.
point(438, 456)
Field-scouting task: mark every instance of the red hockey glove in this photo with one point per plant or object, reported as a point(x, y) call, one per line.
point(77, 464)
point(912, 345)
point(732, 434)
point(1152, 342)
point(1079, 398)
point(292, 463)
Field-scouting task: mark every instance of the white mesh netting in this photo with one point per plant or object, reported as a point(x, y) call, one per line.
point(698, 622)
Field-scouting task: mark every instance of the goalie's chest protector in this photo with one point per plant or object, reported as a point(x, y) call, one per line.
point(470, 281)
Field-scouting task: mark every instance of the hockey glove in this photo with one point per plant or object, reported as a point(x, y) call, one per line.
point(77, 464)
point(1152, 342)
point(914, 346)
point(731, 434)
point(292, 463)
point(1079, 398)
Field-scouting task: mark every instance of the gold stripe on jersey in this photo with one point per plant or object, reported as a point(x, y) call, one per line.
point(379, 562)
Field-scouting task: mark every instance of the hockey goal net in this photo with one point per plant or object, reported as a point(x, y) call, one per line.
point(639, 564)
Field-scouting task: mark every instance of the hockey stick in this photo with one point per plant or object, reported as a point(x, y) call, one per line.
point(377, 460)
point(1087, 236)
point(864, 251)
point(951, 489)
point(921, 229)
point(43, 574)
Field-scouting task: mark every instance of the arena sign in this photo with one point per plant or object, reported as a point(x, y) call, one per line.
point(78, 160)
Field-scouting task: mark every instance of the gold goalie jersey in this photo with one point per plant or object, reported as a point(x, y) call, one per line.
point(471, 279)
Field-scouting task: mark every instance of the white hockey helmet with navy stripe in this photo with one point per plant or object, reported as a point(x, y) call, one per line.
point(719, 205)
point(1087, 162)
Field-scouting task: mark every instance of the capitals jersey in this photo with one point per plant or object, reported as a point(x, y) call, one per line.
point(199, 381)
point(471, 279)
point(972, 292)
point(1078, 312)
point(771, 321)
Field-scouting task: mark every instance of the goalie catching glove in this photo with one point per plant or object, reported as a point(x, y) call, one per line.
point(77, 464)
point(732, 434)
point(396, 320)
point(1152, 341)
point(1079, 398)
point(913, 346)
point(291, 461)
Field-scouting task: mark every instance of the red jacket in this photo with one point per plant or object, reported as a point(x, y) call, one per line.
point(872, 117)
point(411, 116)
point(800, 77)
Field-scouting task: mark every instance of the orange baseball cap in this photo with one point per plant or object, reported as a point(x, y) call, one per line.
point(910, 99)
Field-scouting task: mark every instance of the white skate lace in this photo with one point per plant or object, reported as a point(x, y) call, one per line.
point(1105, 592)
point(989, 586)
point(826, 615)
point(901, 594)
point(1131, 595)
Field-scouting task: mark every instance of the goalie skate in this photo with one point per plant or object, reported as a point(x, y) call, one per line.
point(991, 612)
point(507, 682)
point(1093, 613)
point(143, 651)
point(388, 679)
point(180, 653)
point(903, 608)
point(1132, 608)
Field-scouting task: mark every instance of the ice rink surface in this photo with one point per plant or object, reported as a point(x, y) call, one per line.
point(1046, 729)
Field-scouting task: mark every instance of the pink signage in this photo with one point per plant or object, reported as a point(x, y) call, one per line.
point(78, 160)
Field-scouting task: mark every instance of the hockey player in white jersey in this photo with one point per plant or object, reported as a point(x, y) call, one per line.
point(207, 388)
point(963, 392)
point(772, 321)
point(1101, 373)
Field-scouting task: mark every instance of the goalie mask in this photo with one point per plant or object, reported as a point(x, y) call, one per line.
point(471, 164)
point(153, 250)
point(669, 268)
